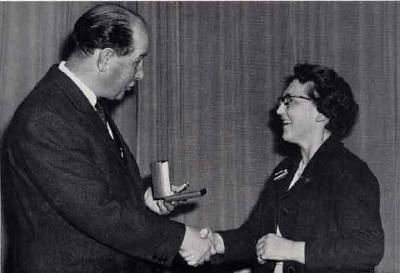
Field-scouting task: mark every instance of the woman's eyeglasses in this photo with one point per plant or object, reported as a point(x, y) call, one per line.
point(287, 99)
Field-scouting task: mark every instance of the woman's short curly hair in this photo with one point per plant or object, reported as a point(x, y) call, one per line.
point(331, 94)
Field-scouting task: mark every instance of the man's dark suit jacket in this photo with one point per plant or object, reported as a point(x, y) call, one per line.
point(333, 207)
point(71, 203)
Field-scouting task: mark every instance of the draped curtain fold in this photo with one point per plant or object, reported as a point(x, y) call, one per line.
point(212, 77)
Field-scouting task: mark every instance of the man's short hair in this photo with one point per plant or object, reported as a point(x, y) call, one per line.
point(105, 26)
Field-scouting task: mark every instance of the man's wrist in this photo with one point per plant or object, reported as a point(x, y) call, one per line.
point(190, 233)
point(184, 238)
point(298, 253)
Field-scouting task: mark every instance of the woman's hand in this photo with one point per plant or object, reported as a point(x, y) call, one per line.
point(274, 247)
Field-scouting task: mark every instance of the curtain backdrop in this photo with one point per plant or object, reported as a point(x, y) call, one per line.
point(212, 77)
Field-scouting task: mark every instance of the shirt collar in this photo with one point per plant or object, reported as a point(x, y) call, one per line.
point(89, 94)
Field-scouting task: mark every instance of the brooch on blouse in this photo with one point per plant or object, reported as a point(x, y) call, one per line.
point(279, 175)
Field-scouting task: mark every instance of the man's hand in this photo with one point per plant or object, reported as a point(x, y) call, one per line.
point(196, 248)
point(158, 206)
point(215, 238)
point(274, 247)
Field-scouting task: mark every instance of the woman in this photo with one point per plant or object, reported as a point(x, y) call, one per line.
point(319, 211)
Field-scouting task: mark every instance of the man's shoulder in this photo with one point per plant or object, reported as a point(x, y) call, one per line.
point(46, 95)
point(53, 81)
point(51, 89)
point(45, 100)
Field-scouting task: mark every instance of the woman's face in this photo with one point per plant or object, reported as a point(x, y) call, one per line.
point(298, 113)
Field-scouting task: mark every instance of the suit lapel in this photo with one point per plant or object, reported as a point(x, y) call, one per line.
point(83, 105)
point(301, 182)
point(314, 167)
point(112, 144)
point(283, 176)
point(118, 141)
point(129, 162)
point(70, 89)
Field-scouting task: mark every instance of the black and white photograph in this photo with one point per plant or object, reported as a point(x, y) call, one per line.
point(200, 136)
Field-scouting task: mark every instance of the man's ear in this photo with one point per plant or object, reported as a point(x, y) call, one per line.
point(103, 59)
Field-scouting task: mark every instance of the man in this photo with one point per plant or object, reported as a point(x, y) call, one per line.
point(73, 197)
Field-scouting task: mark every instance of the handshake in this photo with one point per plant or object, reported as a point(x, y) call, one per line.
point(199, 245)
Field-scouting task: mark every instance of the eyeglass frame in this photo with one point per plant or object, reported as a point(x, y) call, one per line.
point(284, 99)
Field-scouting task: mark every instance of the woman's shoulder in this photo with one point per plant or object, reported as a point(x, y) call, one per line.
point(350, 169)
point(346, 159)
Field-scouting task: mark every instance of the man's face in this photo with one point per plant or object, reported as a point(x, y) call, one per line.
point(126, 70)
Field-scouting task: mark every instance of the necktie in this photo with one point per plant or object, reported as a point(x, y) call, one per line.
point(101, 112)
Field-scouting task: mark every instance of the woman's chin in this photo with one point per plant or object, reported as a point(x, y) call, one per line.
point(285, 135)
